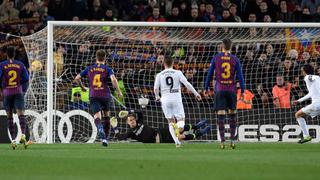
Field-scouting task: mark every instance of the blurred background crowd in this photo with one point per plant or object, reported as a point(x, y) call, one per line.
point(271, 69)
point(23, 17)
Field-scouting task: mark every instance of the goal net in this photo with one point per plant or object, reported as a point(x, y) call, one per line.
point(271, 58)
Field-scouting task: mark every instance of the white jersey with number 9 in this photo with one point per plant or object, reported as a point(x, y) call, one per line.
point(169, 81)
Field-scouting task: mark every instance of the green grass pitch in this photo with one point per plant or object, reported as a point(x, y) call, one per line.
point(161, 162)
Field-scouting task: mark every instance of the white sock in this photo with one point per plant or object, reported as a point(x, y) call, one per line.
point(173, 134)
point(303, 126)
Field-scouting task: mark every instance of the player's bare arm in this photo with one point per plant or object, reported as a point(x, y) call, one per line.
point(77, 80)
point(116, 85)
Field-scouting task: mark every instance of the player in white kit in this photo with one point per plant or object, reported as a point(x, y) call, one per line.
point(168, 83)
point(313, 109)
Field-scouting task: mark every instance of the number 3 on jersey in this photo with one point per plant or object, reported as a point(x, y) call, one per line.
point(97, 81)
point(226, 66)
point(13, 76)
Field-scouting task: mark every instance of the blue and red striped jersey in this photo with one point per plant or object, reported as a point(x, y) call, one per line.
point(226, 67)
point(13, 74)
point(99, 76)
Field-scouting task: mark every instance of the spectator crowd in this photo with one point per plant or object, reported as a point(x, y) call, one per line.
point(271, 69)
point(22, 17)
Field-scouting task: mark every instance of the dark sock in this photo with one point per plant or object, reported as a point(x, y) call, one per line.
point(106, 126)
point(12, 129)
point(190, 137)
point(221, 119)
point(233, 126)
point(194, 127)
point(99, 125)
point(23, 123)
point(187, 127)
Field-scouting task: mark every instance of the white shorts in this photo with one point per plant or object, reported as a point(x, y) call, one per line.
point(312, 109)
point(173, 109)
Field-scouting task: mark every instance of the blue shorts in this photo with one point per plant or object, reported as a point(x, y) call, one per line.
point(224, 100)
point(12, 102)
point(99, 104)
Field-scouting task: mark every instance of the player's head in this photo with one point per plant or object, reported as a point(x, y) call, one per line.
point(226, 44)
point(11, 52)
point(168, 62)
point(132, 120)
point(77, 96)
point(100, 55)
point(280, 80)
point(307, 69)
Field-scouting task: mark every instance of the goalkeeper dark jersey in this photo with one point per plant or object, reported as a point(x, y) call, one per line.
point(144, 133)
point(141, 133)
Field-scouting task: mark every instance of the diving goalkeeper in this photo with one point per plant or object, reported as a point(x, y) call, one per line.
point(146, 134)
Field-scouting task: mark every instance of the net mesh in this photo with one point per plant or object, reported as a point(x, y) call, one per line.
point(136, 55)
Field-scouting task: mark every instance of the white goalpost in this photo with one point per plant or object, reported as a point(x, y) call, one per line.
point(267, 51)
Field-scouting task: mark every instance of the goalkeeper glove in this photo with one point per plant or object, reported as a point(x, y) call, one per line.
point(113, 122)
point(123, 114)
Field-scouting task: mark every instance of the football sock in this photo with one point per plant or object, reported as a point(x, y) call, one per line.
point(173, 134)
point(99, 125)
point(190, 137)
point(106, 126)
point(233, 126)
point(303, 126)
point(221, 118)
point(187, 127)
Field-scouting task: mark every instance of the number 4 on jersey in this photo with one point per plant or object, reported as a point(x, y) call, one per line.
point(97, 81)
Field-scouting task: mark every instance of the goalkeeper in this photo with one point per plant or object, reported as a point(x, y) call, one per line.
point(146, 134)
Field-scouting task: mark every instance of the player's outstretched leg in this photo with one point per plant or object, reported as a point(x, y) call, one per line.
point(189, 127)
point(197, 134)
point(201, 124)
point(303, 125)
point(204, 131)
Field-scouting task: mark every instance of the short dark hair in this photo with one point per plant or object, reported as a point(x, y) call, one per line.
point(168, 61)
point(233, 5)
point(225, 10)
point(279, 75)
point(11, 52)
point(77, 94)
point(101, 55)
point(132, 115)
point(308, 69)
point(227, 43)
point(108, 8)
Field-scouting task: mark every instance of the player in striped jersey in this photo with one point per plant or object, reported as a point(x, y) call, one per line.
point(99, 75)
point(226, 67)
point(14, 75)
point(169, 82)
